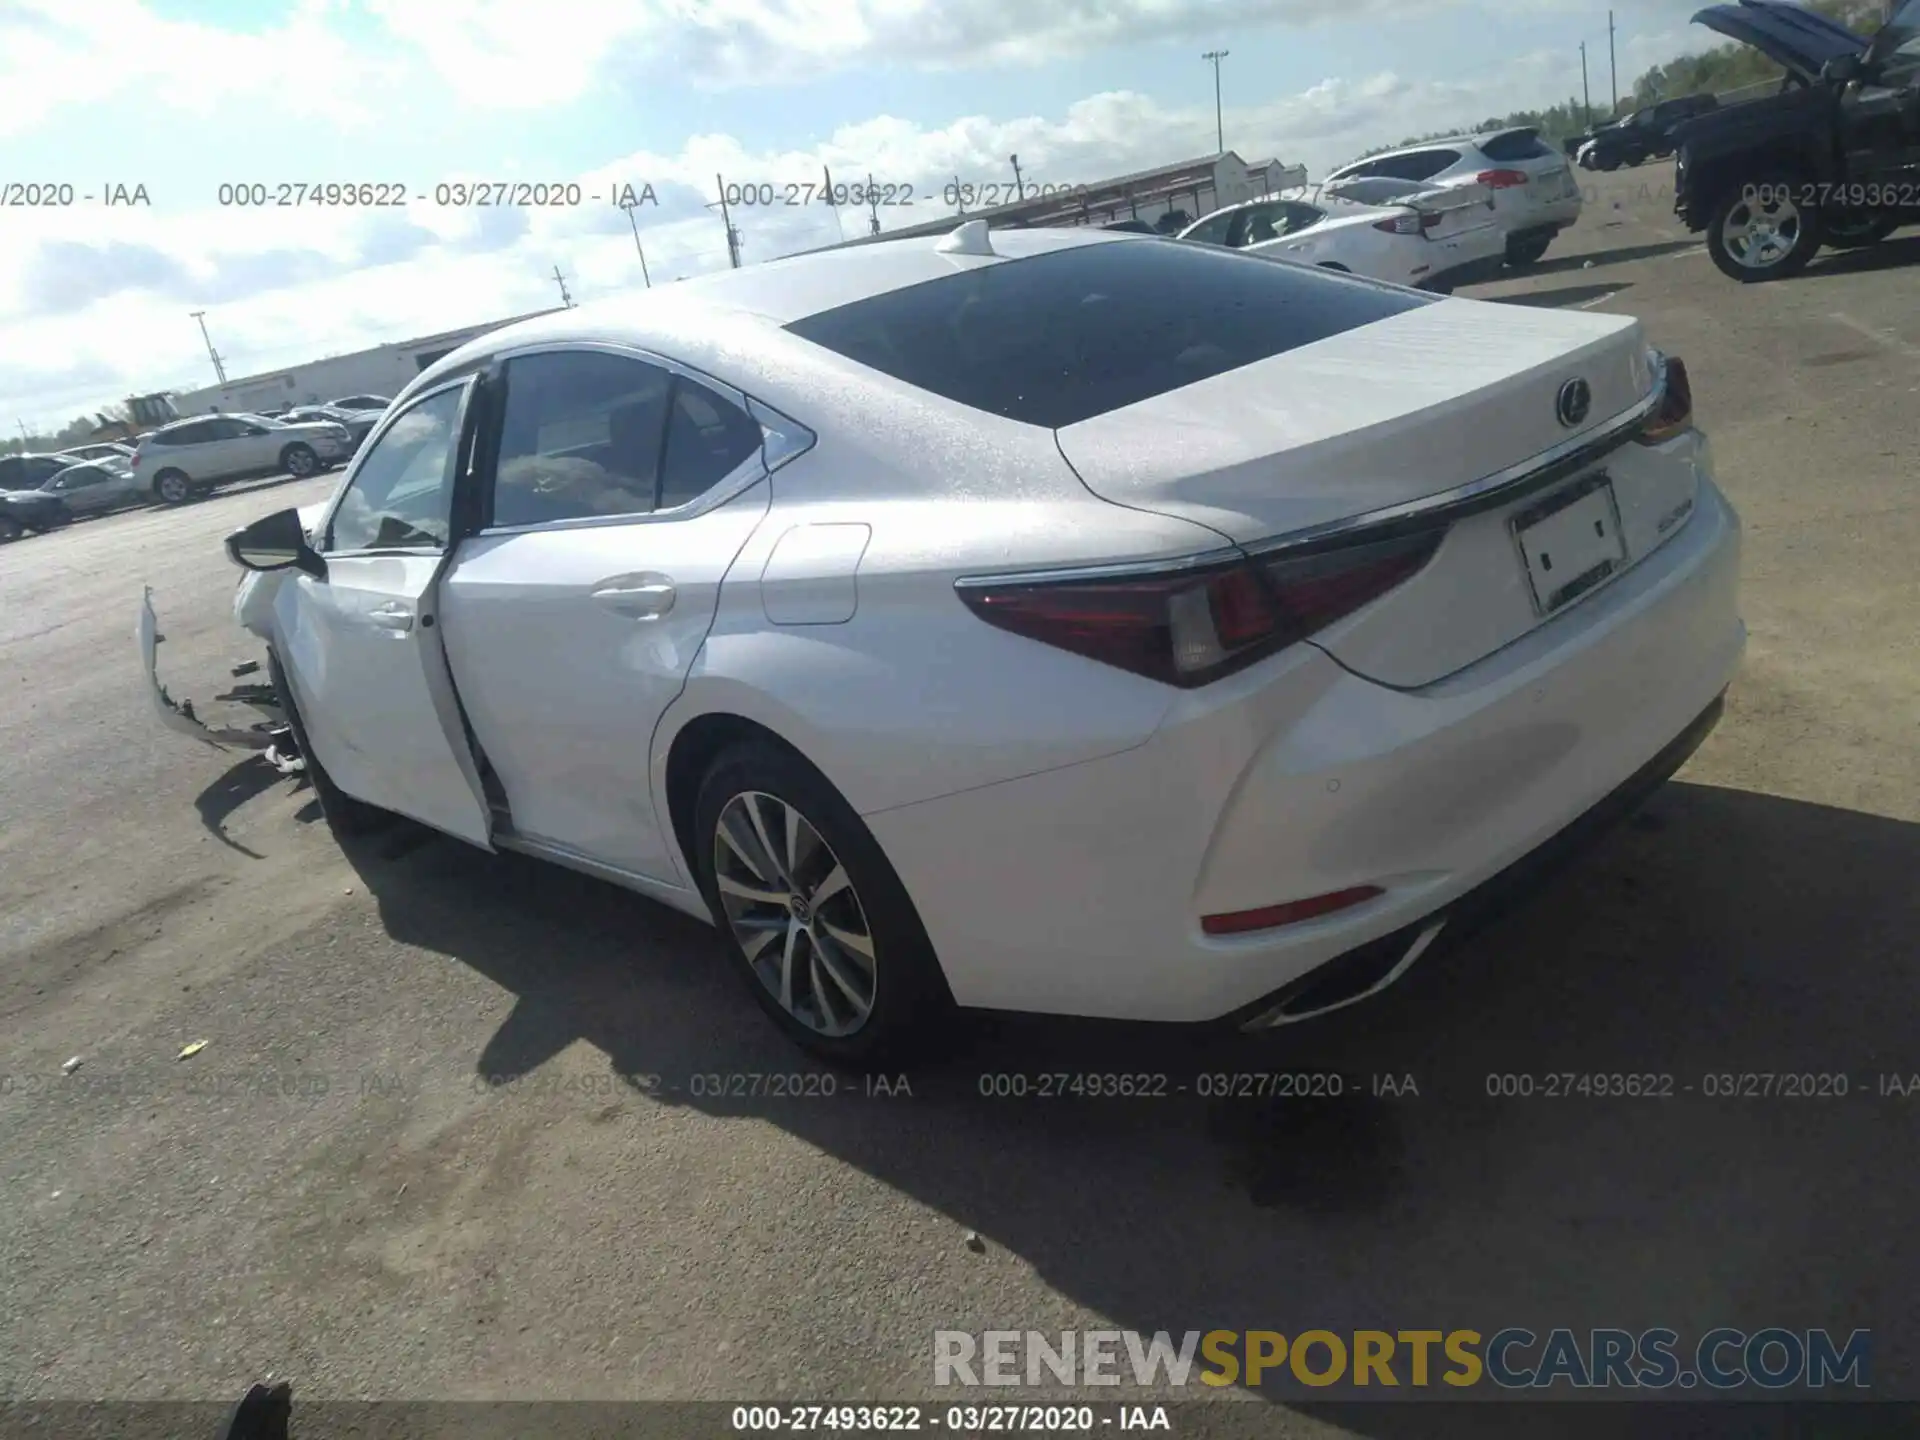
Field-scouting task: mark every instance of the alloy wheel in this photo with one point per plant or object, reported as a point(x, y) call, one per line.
point(795, 914)
point(173, 488)
point(301, 462)
point(1761, 233)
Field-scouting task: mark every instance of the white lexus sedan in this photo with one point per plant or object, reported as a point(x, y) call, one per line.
point(1065, 621)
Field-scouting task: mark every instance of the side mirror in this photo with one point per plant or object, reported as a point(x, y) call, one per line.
point(1843, 70)
point(275, 542)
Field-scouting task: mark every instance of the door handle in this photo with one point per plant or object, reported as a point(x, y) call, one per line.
point(392, 616)
point(646, 601)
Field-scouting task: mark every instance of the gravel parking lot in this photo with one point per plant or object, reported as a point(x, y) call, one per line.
point(330, 1191)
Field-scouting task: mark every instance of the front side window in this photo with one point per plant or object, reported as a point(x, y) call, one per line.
point(402, 493)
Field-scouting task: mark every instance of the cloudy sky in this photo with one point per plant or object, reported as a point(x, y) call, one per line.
point(182, 96)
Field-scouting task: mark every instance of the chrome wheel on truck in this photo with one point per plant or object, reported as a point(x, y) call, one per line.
point(1761, 233)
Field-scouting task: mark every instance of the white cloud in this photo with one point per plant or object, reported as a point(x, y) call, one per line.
point(59, 55)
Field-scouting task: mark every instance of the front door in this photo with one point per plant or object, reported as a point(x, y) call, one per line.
point(622, 491)
point(361, 647)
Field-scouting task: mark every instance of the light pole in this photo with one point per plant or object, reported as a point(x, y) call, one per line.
point(726, 219)
point(212, 354)
point(629, 206)
point(1019, 185)
point(1219, 120)
point(1613, 67)
point(1586, 89)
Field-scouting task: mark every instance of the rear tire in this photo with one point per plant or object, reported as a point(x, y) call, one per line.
point(815, 909)
point(172, 487)
point(349, 819)
point(1524, 252)
point(1767, 237)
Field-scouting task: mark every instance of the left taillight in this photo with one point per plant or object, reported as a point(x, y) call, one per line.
point(1191, 627)
point(1502, 179)
point(1674, 414)
point(1407, 222)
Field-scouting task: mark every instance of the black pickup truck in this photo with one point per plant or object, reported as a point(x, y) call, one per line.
point(1833, 157)
point(1644, 135)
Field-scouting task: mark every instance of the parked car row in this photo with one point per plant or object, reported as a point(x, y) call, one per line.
point(178, 461)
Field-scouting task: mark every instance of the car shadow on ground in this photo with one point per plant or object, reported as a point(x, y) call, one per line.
point(1560, 264)
point(1560, 299)
point(1889, 254)
point(1721, 934)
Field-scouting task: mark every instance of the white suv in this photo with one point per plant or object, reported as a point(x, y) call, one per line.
point(190, 457)
point(1536, 194)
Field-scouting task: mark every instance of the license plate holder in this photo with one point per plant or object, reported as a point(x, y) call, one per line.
point(1570, 542)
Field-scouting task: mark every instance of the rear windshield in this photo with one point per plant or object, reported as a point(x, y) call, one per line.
point(1517, 145)
point(1062, 337)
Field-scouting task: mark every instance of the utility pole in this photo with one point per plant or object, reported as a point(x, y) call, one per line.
point(1612, 67)
point(561, 281)
point(630, 206)
point(726, 218)
point(212, 354)
point(1219, 118)
point(1019, 185)
point(25, 439)
point(827, 175)
point(1585, 89)
point(873, 202)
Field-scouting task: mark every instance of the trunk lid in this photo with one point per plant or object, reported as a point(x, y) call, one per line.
point(1395, 412)
point(1792, 36)
point(1407, 407)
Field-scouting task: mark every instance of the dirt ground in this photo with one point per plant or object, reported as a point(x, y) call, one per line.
point(332, 1191)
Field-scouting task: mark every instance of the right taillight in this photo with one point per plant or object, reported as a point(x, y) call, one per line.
point(1502, 179)
point(1190, 627)
point(1405, 223)
point(1674, 414)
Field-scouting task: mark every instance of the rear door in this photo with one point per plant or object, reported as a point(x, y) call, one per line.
point(621, 490)
point(362, 647)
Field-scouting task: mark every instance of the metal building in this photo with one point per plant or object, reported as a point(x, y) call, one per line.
point(383, 370)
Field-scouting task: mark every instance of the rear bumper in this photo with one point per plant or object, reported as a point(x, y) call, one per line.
point(1080, 890)
point(1367, 970)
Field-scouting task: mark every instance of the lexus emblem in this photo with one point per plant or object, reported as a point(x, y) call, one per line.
point(1575, 400)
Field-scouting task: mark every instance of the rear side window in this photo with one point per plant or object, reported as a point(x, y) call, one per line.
point(1520, 145)
point(1059, 338)
point(1414, 165)
point(708, 438)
